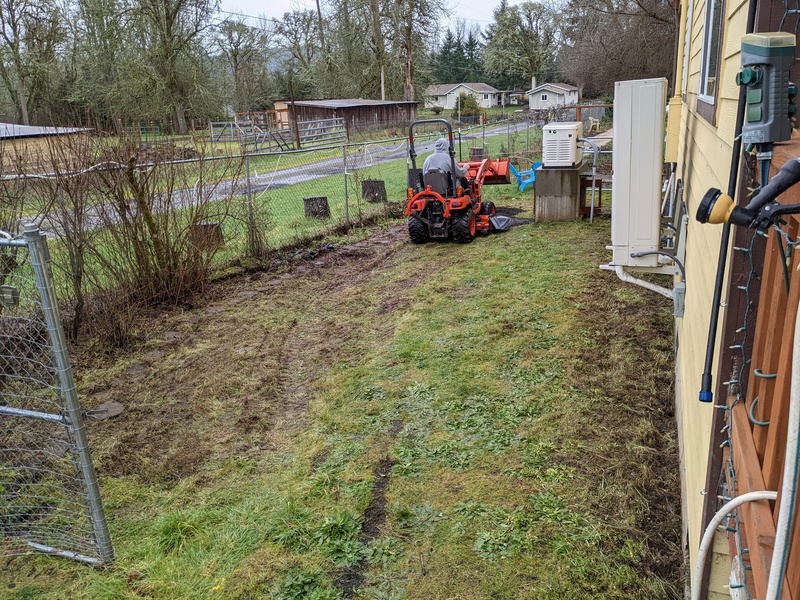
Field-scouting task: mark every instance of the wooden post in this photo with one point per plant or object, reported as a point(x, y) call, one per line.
point(476, 154)
point(206, 235)
point(294, 117)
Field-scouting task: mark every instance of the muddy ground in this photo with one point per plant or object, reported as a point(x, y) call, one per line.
point(198, 359)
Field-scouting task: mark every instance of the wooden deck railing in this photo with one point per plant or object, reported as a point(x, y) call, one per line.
point(758, 425)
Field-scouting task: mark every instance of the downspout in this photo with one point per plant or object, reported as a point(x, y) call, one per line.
point(680, 52)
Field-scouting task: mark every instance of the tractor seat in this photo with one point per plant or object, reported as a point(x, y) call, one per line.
point(438, 180)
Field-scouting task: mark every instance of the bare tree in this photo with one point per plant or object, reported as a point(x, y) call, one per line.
point(613, 40)
point(30, 31)
point(417, 21)
point(169, 28)
point(99, 42)
point(245, 50)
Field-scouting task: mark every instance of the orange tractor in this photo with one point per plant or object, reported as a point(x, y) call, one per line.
point(441, 204)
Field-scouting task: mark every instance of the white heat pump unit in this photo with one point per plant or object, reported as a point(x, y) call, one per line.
point(560, 145)
point(639, 125)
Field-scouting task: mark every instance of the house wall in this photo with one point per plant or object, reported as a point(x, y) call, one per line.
point(704, 157)
point(431, 101)
point(554, 98)
point(452, 98)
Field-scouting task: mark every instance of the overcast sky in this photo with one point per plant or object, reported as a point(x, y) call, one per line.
point(478, 11)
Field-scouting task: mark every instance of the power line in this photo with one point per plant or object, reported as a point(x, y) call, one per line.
point(246, 16)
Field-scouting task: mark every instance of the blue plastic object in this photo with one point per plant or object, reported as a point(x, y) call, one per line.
point(525, 178)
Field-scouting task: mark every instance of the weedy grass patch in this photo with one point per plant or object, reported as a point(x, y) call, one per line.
point(395, 421)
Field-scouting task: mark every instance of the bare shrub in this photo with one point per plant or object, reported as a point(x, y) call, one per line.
point(147, 246)
point(124, 227)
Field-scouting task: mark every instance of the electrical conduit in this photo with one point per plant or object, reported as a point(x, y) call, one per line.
point(708, 536)
point(628, 278)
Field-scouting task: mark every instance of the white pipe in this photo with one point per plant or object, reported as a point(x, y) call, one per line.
point(783, 529)
point(628, 278)
point(708, 536)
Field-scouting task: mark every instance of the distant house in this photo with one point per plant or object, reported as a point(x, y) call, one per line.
point(446, 95)
point(552, 94)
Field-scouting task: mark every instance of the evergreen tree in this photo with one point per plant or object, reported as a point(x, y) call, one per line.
point(451, 62)
point(473, 55)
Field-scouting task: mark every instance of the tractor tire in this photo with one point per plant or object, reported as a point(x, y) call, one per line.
point(488, 208)
point(418, 231)
point(464, 227)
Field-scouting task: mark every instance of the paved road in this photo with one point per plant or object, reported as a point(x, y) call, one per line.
point(333, 166)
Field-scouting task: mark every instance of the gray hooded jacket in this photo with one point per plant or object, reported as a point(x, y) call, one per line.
point(440, 159)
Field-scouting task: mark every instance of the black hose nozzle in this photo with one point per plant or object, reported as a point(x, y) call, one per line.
point(716, 207)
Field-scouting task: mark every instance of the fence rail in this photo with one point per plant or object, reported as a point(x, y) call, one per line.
point(152, 230)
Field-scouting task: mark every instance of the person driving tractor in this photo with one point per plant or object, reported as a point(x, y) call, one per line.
point(440, 160)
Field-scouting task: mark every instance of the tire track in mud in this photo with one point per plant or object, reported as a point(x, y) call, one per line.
point(374, 514)
point(234, 375)
point(302, 364)
point(323, 335)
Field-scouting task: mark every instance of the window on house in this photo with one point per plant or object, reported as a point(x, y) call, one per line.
point(544, 96)
point(712, 37)
point(486, 96)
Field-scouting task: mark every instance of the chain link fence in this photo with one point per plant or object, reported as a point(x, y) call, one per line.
point(282, 198)
point(135, 223)
point(49, 496)
point(132, 224)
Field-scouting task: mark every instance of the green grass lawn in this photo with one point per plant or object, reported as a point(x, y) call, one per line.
point(476, 421)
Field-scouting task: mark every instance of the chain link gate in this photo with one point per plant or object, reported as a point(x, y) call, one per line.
point(49, 495)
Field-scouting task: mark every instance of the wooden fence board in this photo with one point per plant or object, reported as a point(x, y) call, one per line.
point(776, 441)
point(757, 517)
point(771, 314)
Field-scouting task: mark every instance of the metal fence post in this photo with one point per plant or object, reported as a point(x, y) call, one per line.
point(346, 199)
point(251, 225)
point(527, 135)
point(40, 262)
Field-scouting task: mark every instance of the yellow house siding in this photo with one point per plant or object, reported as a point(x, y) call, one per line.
point(707, 166)
point(703, 162)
